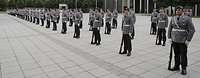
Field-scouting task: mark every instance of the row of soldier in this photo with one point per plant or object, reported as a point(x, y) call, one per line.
point(75, 17)
point(180, 31)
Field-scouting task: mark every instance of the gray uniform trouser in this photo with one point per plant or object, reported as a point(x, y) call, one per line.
point(180, 51)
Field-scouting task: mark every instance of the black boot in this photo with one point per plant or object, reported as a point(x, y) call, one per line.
point(129, 54)
point(175, 68)
point(124, 52)
point(163, 44)
point(183, 72)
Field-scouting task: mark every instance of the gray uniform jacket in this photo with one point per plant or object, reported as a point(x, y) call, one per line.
point(108, 17)
point(48, 16)
point(154, 16)
point(77, 18)
point(181, 30)
point(65, 17)
point(97, 21)
point(162, 20)
point(115, 14)
point(127, 24)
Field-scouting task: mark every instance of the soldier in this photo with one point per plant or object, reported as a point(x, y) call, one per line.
point(34, 18)
point(180, 33)
point(77, 24)
point(102, 16)
point(134, 20)
point(38, 16)
point(64, 21)
point(162, 25)
point(96, 28)
point(42, 16)
point(108, 22)
point(91, 19)
point(54, 20)
point(31, 15)
point(48, 17)
point(187, 12)
point(127, 28)
point(71, 17)
point(154, 21)
point(58, 15)
point(81, 20)
point(114, 22)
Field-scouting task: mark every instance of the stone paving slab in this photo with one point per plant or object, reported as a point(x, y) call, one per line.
point(31, 51)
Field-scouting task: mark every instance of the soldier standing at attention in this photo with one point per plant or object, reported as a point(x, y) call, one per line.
point(154, 21)
point(132, 13)
point(38, 16)
point(127, 29)
point(108, 22)
point(102, 16)
point(96, 28)
point(71, 17)
point(34, 15)
point(114, 22)
point(48, 17)
point(162, 25)
point(64, 21)
point(77, 23)
point(42, 16)
point(180, 33)
point(54, 20)
point(81, 20)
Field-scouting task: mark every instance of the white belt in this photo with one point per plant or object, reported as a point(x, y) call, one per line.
point(161, 21)
point(126, 25)
point(178, 30)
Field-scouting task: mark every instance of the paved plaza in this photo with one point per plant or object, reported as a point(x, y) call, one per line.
point(28, 50)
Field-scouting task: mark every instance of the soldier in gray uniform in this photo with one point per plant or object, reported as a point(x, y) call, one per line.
point(81, 20)
point(96, 28)
point(134, 20)
point(76, 20)
point(91, 19)
point(108, 22)
point(42, 16)
point(71, 17)
point(154, 20)
point(30, 15)
point(127, 29)
point(37, 16)
point(162, 25)
point(64, 21)
point(48, 17)
point(114, 22)
point(54, 20)
point(102, 16)
point(180, 33)
point(58, 15)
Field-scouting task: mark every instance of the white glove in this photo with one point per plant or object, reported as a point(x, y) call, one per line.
point(187, 43)
point(170, 41)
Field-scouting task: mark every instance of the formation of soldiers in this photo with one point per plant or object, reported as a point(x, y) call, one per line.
point(180, 31)
point(37, 15)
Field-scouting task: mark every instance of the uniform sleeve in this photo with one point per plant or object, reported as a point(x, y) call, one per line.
point(166, 20)
point(191, 29)
point(134, 19)
point(170, 28)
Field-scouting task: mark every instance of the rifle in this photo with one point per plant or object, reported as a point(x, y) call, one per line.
point(170, 57)
point(121, 45)
point(156, 39)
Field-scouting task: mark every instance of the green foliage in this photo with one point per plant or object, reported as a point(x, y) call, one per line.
point(3, 5)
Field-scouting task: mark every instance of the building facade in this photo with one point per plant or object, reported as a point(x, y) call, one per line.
point(146, 6)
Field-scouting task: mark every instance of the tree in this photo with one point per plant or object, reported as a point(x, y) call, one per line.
point(3, 4)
